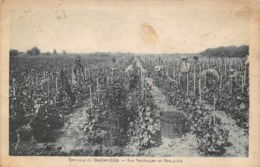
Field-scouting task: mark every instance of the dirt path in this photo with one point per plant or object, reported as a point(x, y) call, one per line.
point(186, 147)
point(237, 136)
point(171, 147)
point(73, 135)
point(158, 98)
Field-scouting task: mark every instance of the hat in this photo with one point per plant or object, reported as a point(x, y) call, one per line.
point(231, 70)
point(157, 68)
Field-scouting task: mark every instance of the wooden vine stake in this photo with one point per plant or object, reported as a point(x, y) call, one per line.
point(179, 79)
point(214, 108)
point(56, 84)
point(225, 65)
point(178, 65)
point(97, 84)
point(44, 79)
point(48, 90)
point(187, 84)
point(236, 78)
point(230, 63)
point(107, 79)
point(200, 88)
point(112, 78)
point(142, 84)
point(205, 79)
point(90, 95)
point(220, 84)
point(200, 84)
point(36, 80)
point(54, 99)
point(72, 76)
point(167, 70)
point(145, 100)
point(194, 85)
point(240, 64)
point(13, 88)
point(85, 72)
point(242, 78)
point(231, 84)
point(97, 90)
point(245, 75)
point(90, 71)
point(218, 64)
point(52, 76)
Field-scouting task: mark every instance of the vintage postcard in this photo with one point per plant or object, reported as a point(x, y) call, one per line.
point(134, 83)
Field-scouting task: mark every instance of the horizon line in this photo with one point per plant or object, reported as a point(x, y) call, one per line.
point(141, 53)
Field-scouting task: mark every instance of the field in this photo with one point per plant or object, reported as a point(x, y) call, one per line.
point(116, 105)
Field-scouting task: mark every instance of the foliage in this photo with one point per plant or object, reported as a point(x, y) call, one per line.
point(34, 51)
point(144, 131)
point(231, 51)
point(48, 119)
point(13, 52)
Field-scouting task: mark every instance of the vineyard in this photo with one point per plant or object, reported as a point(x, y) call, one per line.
point(128, 105)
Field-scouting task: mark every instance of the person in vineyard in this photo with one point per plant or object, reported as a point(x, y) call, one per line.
point(234, 74)
point(78, 70)
point(66, 87)
point(209, 77)
point(185, 69)
point(113, 59)
point(159, 72)
point(233, 77)
point(134, 77)
point(196, 64)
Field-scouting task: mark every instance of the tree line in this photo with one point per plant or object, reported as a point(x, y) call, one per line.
point(230, 51)
point(35, 51)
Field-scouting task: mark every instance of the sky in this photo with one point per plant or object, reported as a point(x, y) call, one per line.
point(142, 31)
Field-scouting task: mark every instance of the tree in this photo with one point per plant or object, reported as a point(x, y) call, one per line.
point(54, 51)
point(13, 52)
point(34, 51)
point(30, 52)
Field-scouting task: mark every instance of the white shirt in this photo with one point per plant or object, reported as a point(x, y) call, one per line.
point(185, 67)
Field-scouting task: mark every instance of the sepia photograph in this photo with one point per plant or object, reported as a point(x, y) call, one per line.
point(140, 82)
